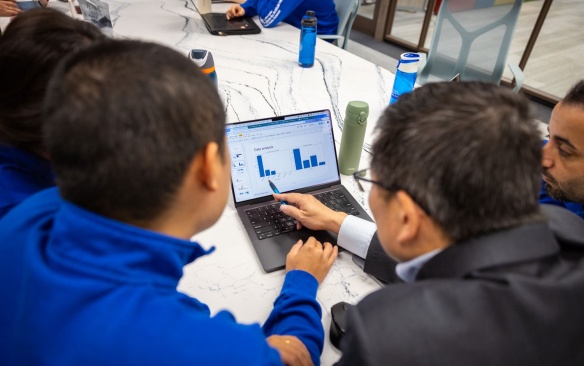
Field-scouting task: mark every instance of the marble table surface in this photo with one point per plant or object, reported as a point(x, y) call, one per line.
point(259, 77)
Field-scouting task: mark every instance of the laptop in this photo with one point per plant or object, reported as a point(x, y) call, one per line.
point(297, 154)
point(27, 5)
point(217, 24)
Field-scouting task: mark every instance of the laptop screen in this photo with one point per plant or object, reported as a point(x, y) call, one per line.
point(294, 152)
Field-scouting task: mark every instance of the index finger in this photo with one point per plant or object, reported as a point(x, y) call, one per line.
point(295, 248)
point(289, 197)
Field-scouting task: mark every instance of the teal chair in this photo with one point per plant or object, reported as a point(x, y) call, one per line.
point(472, 38)
point(347, 12)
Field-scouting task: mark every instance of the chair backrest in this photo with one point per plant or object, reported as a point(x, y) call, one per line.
point(347, 12)
point(471, 38)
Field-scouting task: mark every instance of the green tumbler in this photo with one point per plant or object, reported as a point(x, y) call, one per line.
point(353, 135)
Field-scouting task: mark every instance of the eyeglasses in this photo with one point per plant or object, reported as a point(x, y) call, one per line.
point(365, 181)
point(365, 184)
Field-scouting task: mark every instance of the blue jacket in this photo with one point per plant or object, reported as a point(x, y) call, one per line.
point(576, 208)
point(272, 12)
point(22, 174)
point(82, 289)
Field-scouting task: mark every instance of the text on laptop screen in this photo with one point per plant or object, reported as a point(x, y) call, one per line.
point(294, 152)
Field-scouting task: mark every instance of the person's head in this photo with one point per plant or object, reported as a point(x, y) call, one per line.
point(458, 160)
point(136, 132)
point(32, 45)
point(563, 155)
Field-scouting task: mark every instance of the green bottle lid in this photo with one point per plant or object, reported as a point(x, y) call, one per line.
point(358, 110)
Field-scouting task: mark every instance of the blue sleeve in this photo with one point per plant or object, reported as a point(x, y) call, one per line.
point(296, 312)
point(270, 12)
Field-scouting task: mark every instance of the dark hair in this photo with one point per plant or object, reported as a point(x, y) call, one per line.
point(468, 153)
point(575, 95)
point(123, 121)
point(33, 44)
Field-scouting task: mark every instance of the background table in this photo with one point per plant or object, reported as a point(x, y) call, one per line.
point(259, 77)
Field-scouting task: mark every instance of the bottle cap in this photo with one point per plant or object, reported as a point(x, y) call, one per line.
point(409, 57)
point(359, 109)
point(308, 20)
point(202, 58)
point(408, 62)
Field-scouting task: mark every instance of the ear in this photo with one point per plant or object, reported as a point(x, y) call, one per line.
point(210, 166)
point(409, 218)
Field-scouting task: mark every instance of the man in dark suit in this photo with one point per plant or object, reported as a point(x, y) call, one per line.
point(489, 277)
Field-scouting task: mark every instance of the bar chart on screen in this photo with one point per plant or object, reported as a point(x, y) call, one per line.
point(296, 163)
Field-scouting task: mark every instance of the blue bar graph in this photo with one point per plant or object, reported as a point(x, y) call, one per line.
point(297, 159)
point(279, 157)
point(313, 161)
point(264, 172)
point(261, 166)
point(305, 164)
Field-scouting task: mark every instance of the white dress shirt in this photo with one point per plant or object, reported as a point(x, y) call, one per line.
point(355, 235)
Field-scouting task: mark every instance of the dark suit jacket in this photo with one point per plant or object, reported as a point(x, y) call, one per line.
point(513, 297)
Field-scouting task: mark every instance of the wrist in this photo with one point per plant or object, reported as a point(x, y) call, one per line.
point(336, 221)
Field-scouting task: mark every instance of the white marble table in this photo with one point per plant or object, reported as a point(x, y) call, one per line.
point(259, 77)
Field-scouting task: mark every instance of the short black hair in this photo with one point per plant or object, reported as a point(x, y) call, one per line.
point(575, 95)
point(30, 49)
point(468, 153)
point(123, 121)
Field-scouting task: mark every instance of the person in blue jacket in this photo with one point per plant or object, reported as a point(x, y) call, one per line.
point(34, 42)
point(563, 154)
point(89, 270)
point(272, 12)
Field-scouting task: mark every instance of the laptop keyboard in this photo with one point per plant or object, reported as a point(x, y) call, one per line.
point(268, 221)
point(218, 21)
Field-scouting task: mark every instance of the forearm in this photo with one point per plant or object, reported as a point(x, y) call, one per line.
point(296, 312)
point(270, 12)
point(250, 7)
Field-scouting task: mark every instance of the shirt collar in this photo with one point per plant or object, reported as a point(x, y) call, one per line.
point(34, 165)
point(408, 271)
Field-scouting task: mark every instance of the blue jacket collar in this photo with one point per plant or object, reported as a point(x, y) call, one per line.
point(95, 244)
point(33, 163)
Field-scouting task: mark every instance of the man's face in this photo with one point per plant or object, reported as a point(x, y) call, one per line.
point(381, 208)
point(563, 155)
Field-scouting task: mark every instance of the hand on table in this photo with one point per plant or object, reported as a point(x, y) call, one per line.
point(310, 212)
point(312, 257)
point(292, 350)
point(8, 8)
point(235, 11)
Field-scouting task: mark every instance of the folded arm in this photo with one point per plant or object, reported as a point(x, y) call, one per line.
point(270, 12)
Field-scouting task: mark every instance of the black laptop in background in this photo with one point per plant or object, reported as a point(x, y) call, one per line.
point(217, 23)
point(297, 153)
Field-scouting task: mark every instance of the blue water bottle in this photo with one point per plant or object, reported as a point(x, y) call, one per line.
point(307, 40)
point(405, 75)
point(204, 59)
